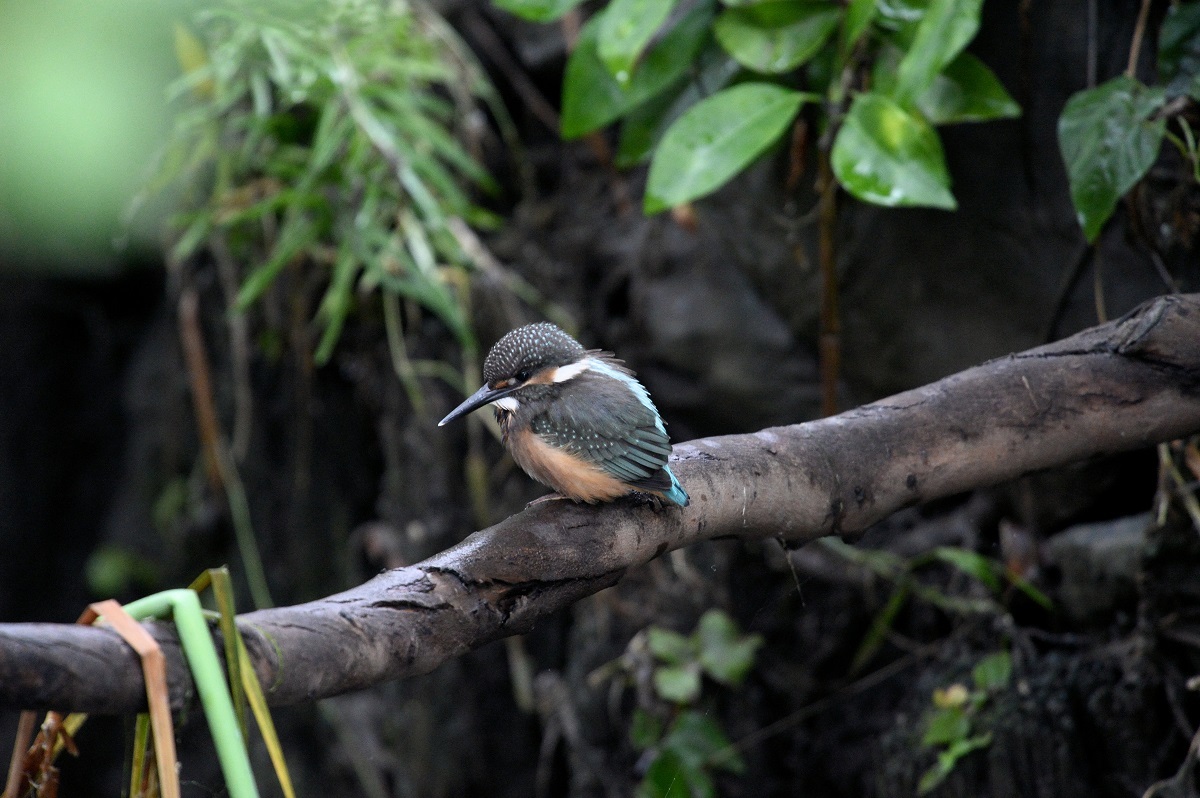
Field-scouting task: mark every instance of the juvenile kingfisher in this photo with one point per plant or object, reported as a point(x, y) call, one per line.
point(575, 419)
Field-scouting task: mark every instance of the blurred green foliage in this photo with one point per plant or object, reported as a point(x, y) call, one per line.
point(682, 744)
point(82, 109)
point(952, 723)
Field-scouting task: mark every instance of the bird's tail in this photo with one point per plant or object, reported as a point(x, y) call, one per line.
point(676, 494)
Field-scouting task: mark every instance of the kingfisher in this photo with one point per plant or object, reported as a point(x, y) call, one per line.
point(576, 420)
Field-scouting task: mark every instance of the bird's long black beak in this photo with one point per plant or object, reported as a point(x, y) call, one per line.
point(476, 400)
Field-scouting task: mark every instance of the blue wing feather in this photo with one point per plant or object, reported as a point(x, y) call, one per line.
point(594, 419)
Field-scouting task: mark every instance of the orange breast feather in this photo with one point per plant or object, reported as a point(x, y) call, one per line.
point(562, 471)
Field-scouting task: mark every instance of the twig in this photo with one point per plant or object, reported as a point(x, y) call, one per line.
point(1070, 277)
point(239, 348)
point(219, 463)
point(829, 346)
point(208, 428)
point(1139, 32)
point(817, 707)
point(494, 49)
point(1182, 491)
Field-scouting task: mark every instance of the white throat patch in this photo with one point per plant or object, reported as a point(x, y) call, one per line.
point(508, 403)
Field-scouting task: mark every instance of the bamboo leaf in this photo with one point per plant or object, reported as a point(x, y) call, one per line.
point(297, 234)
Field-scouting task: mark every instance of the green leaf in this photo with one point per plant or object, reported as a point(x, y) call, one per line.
point(644, 126)
point(335, 305)
point(993, 672)
point(626, 27)
point(936, 774)
point(592, 97)
point(1022, 584)
point(111, 570)
point(859, 14)
point(896, 14)
point(434, 295)
point(679, 684)
point(882, 563)
point(670, 647)
point(537, 10)
point(874, 638)
point(945, 29)
point(972, 564)
point(948, 759)
point(699, 742)
point(855, 22)
point(966, 91)
point(297, 233)
point(776, 36)
point(958, 605)
point(1179, 50)
point(960, 748)
point(1108, 145)
point(725, 655)
point(887, 156)
point(669, 777)
point(946, 726)
point(197, 231)
point(715, 139)
point(645, 729)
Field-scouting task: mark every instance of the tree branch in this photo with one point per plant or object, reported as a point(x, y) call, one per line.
point(1116, 387)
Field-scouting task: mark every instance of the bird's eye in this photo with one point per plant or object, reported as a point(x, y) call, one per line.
point(522, 375)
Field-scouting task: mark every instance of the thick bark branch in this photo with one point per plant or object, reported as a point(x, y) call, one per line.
point(1112, 388)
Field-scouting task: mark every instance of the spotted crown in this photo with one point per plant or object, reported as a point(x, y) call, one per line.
point(530, 348)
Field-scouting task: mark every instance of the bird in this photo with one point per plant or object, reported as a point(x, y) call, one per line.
point(576, 420)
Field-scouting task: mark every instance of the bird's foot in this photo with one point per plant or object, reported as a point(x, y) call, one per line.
point(549, 497)
point(639, 499)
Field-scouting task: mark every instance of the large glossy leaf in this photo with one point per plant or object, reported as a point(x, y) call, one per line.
point(945, 29)
point(966, 91)
point(715, 139)
point(537, 10)
point(886, 155)
point(592, 97)
point(775, 36)
point(644, 126)
point(625, 29)
point(1108, 143)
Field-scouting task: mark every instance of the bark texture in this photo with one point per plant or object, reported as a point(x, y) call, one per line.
point(1116, 387)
